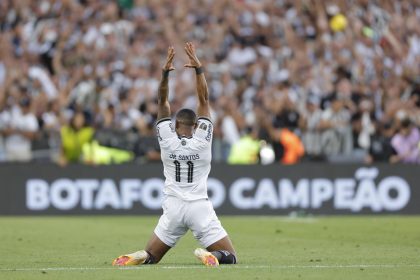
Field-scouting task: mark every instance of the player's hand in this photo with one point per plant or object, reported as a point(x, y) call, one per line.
point(169, 65)
point(190, 51)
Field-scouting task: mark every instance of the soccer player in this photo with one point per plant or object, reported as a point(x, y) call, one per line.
point(186, 157)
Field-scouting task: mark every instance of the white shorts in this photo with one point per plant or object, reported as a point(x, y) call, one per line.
point(198, 216)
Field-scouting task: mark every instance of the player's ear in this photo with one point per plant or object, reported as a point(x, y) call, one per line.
point(195, 125)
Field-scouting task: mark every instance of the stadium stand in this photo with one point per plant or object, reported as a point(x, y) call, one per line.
point(342, 76)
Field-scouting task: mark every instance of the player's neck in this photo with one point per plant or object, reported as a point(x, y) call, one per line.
point(184, 132)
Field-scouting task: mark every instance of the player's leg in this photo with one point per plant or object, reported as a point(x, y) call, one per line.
point(223, 250)
point(208, 230)
point(153, 253)
point(168, 231)
point(155, 249)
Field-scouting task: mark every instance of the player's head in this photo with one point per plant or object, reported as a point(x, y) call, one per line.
point(185, 122)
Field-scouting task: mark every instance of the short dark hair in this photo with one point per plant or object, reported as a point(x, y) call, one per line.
point(186, 117)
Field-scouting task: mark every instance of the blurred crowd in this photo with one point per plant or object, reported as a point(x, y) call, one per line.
point(289, 81)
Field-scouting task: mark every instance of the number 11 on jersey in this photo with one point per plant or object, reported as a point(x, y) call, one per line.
point(178, 171)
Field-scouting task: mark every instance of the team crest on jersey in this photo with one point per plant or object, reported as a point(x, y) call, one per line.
point(183, 142)
point(203, 126)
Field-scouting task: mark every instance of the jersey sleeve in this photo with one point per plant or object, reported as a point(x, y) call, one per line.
point(204, 129)
point(164, 131)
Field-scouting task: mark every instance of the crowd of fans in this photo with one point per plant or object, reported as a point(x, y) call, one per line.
point(289, 80)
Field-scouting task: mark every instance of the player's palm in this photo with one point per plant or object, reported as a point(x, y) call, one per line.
point(190, 51)
point(169, 64)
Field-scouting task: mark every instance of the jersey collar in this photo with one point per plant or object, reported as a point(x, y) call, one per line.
point(183, 136)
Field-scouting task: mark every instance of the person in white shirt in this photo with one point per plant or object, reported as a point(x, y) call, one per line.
point(19, 129)
point(186, 157)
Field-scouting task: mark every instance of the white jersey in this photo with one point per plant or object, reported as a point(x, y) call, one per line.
point(186, 160)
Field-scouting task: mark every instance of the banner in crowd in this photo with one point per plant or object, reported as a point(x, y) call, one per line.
point(44, 189)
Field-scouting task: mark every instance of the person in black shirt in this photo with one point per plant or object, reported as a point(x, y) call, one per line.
point(381, 149)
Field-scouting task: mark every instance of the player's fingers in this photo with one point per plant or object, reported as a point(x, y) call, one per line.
point(171, 56)
point(189, 56)
point(191, 46)
point(188, 51)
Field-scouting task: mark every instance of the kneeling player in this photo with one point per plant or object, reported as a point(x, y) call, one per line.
point(186, 157)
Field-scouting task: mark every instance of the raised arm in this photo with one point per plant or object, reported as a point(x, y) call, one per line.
point(203, 109)
point(164, 109)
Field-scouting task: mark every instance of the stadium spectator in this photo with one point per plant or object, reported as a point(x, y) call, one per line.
point(406, 143)
point(366, 124)
point(381, 149)
point(246, 150)
point(310, 126)
point(147, 148)
point(73, 137)
point(19, 129)
point(335, 123)
point(290, 148)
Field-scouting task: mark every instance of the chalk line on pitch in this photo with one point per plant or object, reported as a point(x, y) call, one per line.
point(179, 267)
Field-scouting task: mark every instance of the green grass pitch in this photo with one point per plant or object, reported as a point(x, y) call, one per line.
point(268, 248)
